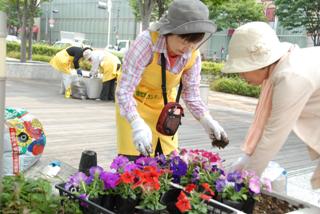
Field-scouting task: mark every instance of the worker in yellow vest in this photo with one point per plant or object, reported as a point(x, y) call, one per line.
point(67, 60)
point(109, 66)
point(139, 98)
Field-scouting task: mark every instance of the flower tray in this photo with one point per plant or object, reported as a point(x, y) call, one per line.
point(278, 203)
point(92, 206)
point(214, 207)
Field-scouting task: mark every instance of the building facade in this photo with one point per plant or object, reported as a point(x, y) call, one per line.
point(84, 16)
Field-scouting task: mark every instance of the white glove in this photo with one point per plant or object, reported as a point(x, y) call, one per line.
point(240, 163)
point(93, 74)
point(213, 128)
point(142, 136)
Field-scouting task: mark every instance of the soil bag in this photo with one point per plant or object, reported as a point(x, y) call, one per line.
point(277, 175)
point(24, 141)
point(78, 88)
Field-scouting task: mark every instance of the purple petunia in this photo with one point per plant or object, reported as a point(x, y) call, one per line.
point(110, 179)
point(75, 180)
point(95, 172)
point(161, 159)
point(195, 174)
point(82, 203)
point(235, 177)
point(130, 167)
point(178, 166)
point(238, 187)
point(215, 168)
point(119, 163)
point(220, 184)
point(146, 161)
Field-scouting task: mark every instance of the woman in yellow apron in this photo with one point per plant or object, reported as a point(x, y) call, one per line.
point(67, 59)
point(139, 99)
point(109, 66)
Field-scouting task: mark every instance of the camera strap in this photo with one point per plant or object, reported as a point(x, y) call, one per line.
point(163, 82)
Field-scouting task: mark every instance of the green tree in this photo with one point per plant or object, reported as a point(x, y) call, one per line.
point(10, 8)
point(213, 6)
point(233, 13)
point(3, 5)
point(145, 11)
point(295, 14)
point(33, 11)
point(21, 14)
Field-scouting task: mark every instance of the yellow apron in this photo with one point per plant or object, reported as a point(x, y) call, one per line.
point(62, 62)
point(108, 68)
point(148, 96)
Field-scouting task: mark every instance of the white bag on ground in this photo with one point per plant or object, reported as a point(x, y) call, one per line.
point(78, 88)
point(278, 177)
point(24, 141)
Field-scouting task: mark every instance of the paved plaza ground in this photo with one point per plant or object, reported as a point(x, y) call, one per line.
point(73, 125)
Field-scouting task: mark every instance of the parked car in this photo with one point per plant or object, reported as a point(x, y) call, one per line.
point(63, 44)
point(13, 38)
point(67, 43)
point(122, 46)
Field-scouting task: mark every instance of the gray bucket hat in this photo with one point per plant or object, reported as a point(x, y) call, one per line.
point(184, 17)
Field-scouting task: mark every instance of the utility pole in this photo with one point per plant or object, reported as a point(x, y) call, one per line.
point(109, 22)
point(108, 6)
point(3, 34)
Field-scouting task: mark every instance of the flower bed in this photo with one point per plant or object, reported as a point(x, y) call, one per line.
point(145, 186)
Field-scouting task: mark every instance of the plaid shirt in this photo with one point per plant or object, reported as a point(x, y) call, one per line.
point(138, 58)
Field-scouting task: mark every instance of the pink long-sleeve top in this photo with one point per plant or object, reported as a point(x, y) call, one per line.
point(138, 57)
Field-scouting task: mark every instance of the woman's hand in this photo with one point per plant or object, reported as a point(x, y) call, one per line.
point(213, 128)
point(142, 136)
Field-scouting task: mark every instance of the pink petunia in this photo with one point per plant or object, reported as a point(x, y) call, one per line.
point(267, 184)
point(254, 184)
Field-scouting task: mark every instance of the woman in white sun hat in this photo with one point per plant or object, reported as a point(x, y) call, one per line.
point(290, 96)
point(139, 100)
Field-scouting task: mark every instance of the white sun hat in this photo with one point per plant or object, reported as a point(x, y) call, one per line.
point(87, 53)
point(253, 46)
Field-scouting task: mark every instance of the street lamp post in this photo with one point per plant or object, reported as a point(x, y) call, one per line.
point(108, 6)
point(109, 22)
point(51, 23)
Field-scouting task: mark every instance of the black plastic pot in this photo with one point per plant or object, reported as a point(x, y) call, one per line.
point(170, 199)
point(144, 211)
point(88, 160)
point(248, 206)
point(125, 205)
point(109, 202)
point(89, 209)
point(244, 206)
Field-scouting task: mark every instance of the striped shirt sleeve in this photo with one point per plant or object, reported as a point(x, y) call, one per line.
point(191, 90)
point(136, 59)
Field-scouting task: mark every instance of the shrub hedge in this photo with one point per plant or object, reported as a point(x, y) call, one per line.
point(212, 68)
point(38, 49)
point(235, 86)
point(35, 57)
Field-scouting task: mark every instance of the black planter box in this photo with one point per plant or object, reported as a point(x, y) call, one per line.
point(214, 207)
point(92, 206)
